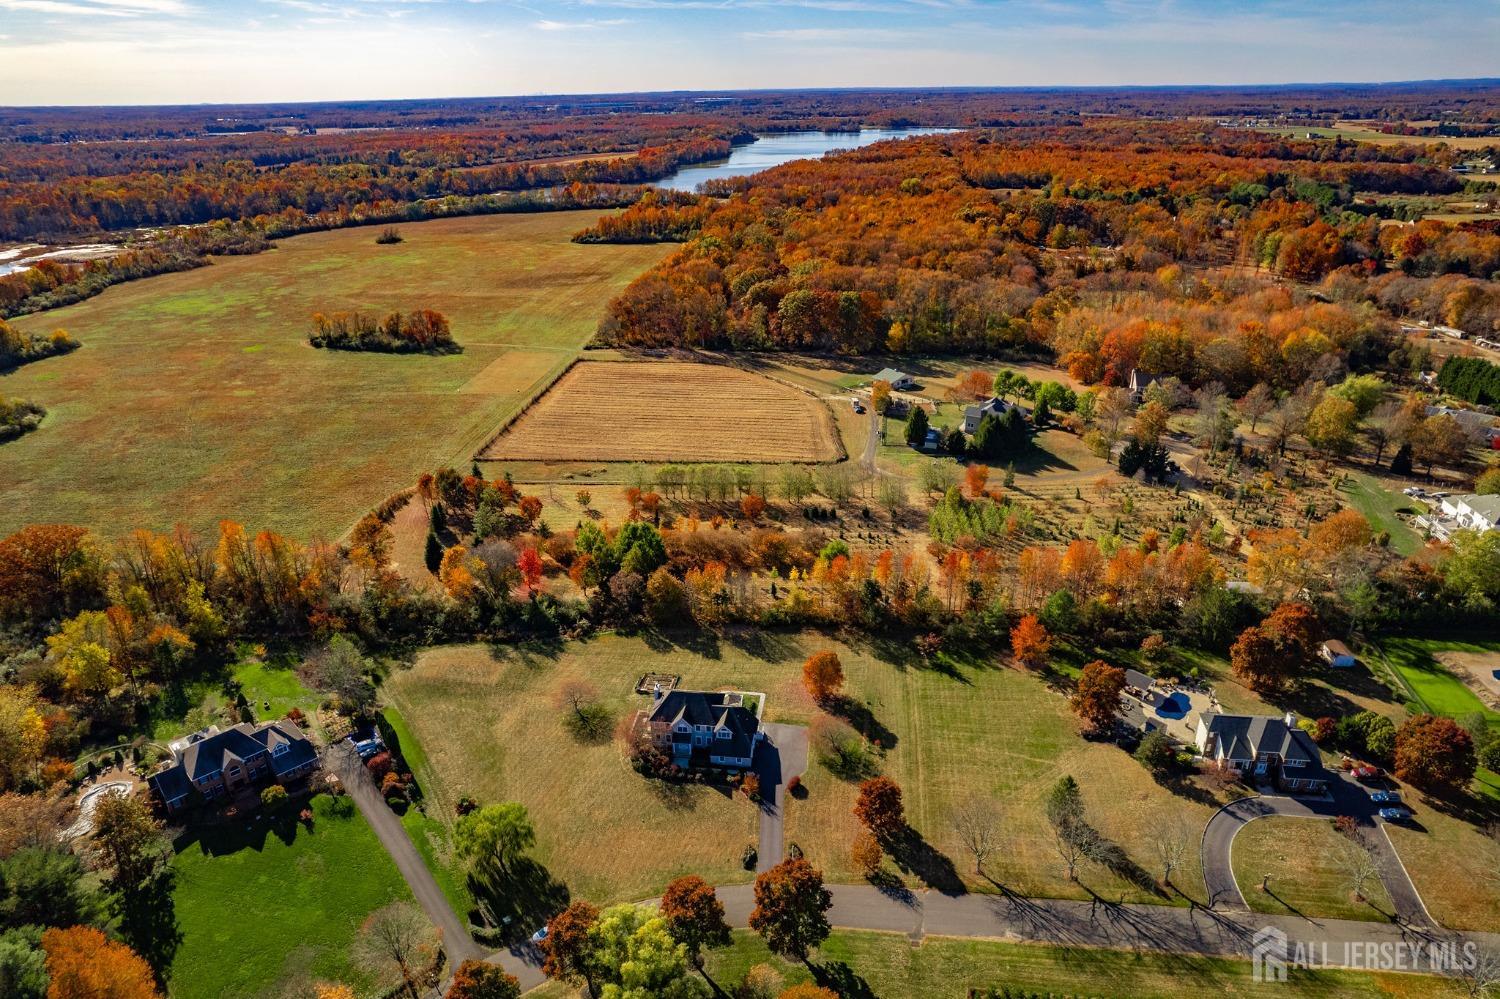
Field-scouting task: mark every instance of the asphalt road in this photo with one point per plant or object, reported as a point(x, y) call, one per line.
point(392, 835)
point(1348, 798)
point(782, 757)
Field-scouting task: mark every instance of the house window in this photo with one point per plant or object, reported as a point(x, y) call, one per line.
point(281, 747)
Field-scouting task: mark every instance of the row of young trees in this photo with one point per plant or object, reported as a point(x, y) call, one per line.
point(421, 331)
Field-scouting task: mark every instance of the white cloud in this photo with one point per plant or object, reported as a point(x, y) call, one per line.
point(547, 24)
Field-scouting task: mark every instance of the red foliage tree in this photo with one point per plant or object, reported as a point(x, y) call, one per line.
point(1434, 752)
point(695, 916)
point(482, 980)
point(1097, 699)
point(565, 951)
point(879, 807)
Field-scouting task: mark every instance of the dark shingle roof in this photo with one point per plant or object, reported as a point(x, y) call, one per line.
point(699, 707)
point(1244, 737)
point(208, 754)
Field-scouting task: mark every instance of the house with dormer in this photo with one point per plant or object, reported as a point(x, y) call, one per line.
point(214, 763)
point(699, 729)
point(1264, 748)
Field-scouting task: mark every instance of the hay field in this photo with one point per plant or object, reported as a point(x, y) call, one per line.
point(669, 411)
point(195, 396)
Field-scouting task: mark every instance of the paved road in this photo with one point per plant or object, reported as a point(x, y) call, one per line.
point(342, 759)
point(782, 757)
point(1065, 923)
point(1348, 798)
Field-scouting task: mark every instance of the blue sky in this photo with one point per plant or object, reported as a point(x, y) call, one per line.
point(157, 51)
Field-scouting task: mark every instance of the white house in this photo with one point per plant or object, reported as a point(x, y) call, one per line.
point(899, 380)
point(1471, 512)
point(973, 415)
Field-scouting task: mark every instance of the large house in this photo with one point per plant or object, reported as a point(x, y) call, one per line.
point(699, 728)
point(1470, 512)
point(900, 380)
point(1264, 748)
point(216, 762)
point(973, 415)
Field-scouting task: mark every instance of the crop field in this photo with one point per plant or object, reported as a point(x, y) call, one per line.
point(195, 396)
point(669, 411)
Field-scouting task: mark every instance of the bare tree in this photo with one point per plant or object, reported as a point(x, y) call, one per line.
point(1075, 843)
point(977, 822)
point(1170, 841)
point(1479, 973)
point(1111, 410)
point(398, 937)
point(577, 695)
point(1356, 864)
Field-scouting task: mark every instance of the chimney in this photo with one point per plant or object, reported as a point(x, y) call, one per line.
point(1290, 720)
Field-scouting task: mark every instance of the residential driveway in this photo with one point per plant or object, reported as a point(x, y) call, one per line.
point(342, 759)
point(1348, 798)
point(781, 757)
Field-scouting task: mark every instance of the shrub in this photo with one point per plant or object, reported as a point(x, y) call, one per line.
point(749, 857)
point(273, 798)
point(379, 765)
point(388, 236)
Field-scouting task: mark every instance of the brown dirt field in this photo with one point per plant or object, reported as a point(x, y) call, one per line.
point(1477, 671)
point(669, 411)
point(408, 552)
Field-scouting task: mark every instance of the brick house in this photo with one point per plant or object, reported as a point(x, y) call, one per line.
point(1263, 748)
point(698, 728)
point(218, 762)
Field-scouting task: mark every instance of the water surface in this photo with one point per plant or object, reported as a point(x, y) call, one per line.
point(773, 150)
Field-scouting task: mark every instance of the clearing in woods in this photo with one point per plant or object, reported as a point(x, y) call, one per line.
point(669, 411)
point(196, 397)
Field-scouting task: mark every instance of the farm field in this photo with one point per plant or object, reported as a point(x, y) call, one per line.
point(1304, 879)
point(887, 965)
point(308, 891)
point(195, 396)
point(1361, 132)
point(669, 411)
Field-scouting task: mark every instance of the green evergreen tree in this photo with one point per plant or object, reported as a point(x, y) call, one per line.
point(916, 426)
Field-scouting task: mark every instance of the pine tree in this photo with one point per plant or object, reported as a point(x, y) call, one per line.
point(916, 426)
point(434, 552)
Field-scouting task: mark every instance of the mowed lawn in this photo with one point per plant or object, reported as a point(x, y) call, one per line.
point(489, 725)
point(270, 911)
point(887, 965)
point(973, 729)
point(1301, 857)
point(195, 396)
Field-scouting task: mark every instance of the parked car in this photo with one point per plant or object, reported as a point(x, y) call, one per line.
point(539, 935)
point(859, 407)
point(1394, 814)
point(1385, 797)
point(1366, 772)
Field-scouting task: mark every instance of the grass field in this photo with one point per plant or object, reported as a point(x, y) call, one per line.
point(195, 396)
point(670, 411)
point(889, 967)
point(1299, 855)
point(1379, 506)
point(488, 725)
point(299, 898)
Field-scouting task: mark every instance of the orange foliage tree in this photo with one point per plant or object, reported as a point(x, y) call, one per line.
point(1030, 642)
point(823, 676)
point(85, 964)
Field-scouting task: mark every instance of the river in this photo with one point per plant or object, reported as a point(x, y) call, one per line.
point(773, 150)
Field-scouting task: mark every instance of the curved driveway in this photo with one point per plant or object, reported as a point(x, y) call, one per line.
point(1348, 798)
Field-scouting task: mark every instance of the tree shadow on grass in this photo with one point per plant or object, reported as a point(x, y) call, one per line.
point(148, 921)
point(529, 896)
point(531, 653)
point(1113, 857)
point(766, 646)
point(863, 720)
point(842, 979)
point(915, 856)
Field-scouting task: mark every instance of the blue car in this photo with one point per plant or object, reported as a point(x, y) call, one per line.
point(1394, 814)
point(1385, 797)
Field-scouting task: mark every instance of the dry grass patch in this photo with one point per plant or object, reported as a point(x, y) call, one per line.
point(1455, 866)
point(1300, 855)
point(669, 411)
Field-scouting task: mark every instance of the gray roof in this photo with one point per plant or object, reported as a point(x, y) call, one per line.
point(1139, 380)
point(1245, 737)
point(209, 751)
point(1136, 678)
point(889, 375)
point(710, 708)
